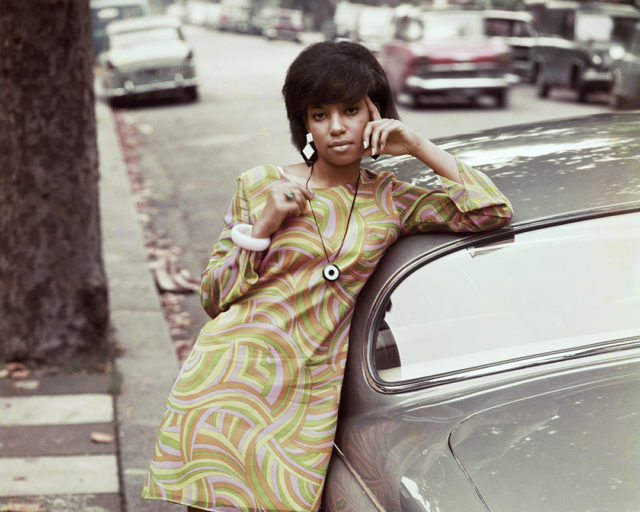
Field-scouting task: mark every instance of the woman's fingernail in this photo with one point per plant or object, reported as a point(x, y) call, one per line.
point(365, 144)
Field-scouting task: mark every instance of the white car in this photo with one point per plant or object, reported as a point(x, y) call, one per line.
point(147, 56)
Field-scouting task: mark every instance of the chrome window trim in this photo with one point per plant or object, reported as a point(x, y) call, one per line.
point(477, 242)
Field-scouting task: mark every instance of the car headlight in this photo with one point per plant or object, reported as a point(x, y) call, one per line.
point(596, 60)
point(616, 52)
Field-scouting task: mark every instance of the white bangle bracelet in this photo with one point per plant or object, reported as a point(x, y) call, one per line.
point(241, 236)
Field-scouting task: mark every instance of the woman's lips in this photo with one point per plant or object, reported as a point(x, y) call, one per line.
point(341, 146)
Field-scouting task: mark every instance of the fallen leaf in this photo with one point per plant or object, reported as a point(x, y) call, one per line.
point(101, 437)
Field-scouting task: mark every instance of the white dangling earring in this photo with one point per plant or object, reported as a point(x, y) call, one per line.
point(309, 151)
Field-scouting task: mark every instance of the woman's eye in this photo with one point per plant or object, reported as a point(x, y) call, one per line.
point(318, 116)
point(352, 110)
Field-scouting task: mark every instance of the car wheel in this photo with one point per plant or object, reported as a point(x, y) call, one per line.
point(543, 86)
point(502, 98)
point(191, 93)
point(582, 93)
point(617, 99)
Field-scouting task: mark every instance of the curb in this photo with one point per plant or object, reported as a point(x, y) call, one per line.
point(148, 365)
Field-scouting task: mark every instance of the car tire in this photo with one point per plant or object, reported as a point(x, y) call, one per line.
point(616, 99)
point(191, 93)
point(543, 87)
point(582, 93)
point(502, 98)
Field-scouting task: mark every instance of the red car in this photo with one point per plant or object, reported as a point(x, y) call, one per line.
point(446, 53)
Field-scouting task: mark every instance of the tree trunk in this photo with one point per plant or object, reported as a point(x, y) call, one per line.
point(53, 293)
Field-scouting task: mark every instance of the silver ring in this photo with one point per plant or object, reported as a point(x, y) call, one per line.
point(290, 195)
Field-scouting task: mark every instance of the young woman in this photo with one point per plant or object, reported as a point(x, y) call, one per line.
point(250, 422)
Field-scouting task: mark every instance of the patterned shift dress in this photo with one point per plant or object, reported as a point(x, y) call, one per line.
point(250, 421)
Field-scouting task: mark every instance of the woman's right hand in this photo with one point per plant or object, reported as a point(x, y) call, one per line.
point(280, 206)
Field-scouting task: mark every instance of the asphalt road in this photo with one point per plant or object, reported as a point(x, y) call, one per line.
point(190, 153)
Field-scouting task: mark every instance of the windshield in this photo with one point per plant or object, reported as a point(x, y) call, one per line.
point(603, 28)
point(440, 26)
point(452, 26)
point(144, 36)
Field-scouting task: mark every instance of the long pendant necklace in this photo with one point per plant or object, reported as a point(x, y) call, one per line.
point(331, 272)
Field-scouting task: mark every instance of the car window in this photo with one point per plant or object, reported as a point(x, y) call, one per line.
point(544, 290)
point(602, 27)
point(498, 27)
point(125, 39)
point(452, 26)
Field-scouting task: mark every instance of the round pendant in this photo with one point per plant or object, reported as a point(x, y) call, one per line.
point(331, 272)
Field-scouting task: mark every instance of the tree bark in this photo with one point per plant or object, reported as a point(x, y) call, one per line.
point(53, 292)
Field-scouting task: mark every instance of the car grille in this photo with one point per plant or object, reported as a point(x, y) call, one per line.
point(152, 75)
point(461, 70)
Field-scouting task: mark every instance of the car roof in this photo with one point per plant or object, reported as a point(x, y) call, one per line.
point(552, 172)
point(620, 9)
point(553, 169)
point(142, 23)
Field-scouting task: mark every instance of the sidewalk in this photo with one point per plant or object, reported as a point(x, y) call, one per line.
point(48, 462)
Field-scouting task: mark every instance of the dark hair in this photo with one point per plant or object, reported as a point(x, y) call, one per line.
point(330, 72)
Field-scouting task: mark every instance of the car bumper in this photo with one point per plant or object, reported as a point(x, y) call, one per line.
point(129, 88)
point(416, 84)
point(593, 77)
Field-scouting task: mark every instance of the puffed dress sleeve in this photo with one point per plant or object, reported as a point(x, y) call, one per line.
point(231, 270)
point(474, 205)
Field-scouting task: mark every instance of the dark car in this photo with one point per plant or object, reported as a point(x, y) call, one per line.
point(446, 53)
point(516, 29)
point(576, 38)
point(500, 371)
point(625, 66)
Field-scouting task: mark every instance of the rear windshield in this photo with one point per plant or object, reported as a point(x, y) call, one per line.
point(125, 39)
point(551, 289)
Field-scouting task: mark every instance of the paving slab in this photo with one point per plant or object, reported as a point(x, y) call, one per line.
point(45, 440)
point(63, 503)
point(58, 384)
point(84, 474)
point(56, 409)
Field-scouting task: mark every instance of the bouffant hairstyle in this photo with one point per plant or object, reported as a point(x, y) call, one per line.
point(333, 72)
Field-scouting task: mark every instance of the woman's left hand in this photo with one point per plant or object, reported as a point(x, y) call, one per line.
point(389, 136)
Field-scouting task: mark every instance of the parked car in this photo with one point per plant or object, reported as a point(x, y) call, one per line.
point(148, 56)
point(446, 53)
point(500, 371)
point(575, 40)
point(625, 66)
point(516, 29)
point(285, 24)
point(234, 16)
point(104, 12)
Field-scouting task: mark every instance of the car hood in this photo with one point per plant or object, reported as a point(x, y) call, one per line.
point(464, 49)
point(164, 51)
point(570, 450)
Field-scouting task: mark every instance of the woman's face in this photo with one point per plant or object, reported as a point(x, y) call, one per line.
point(337, 130)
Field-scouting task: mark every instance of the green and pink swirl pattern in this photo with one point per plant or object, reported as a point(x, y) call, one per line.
point(250, 421)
